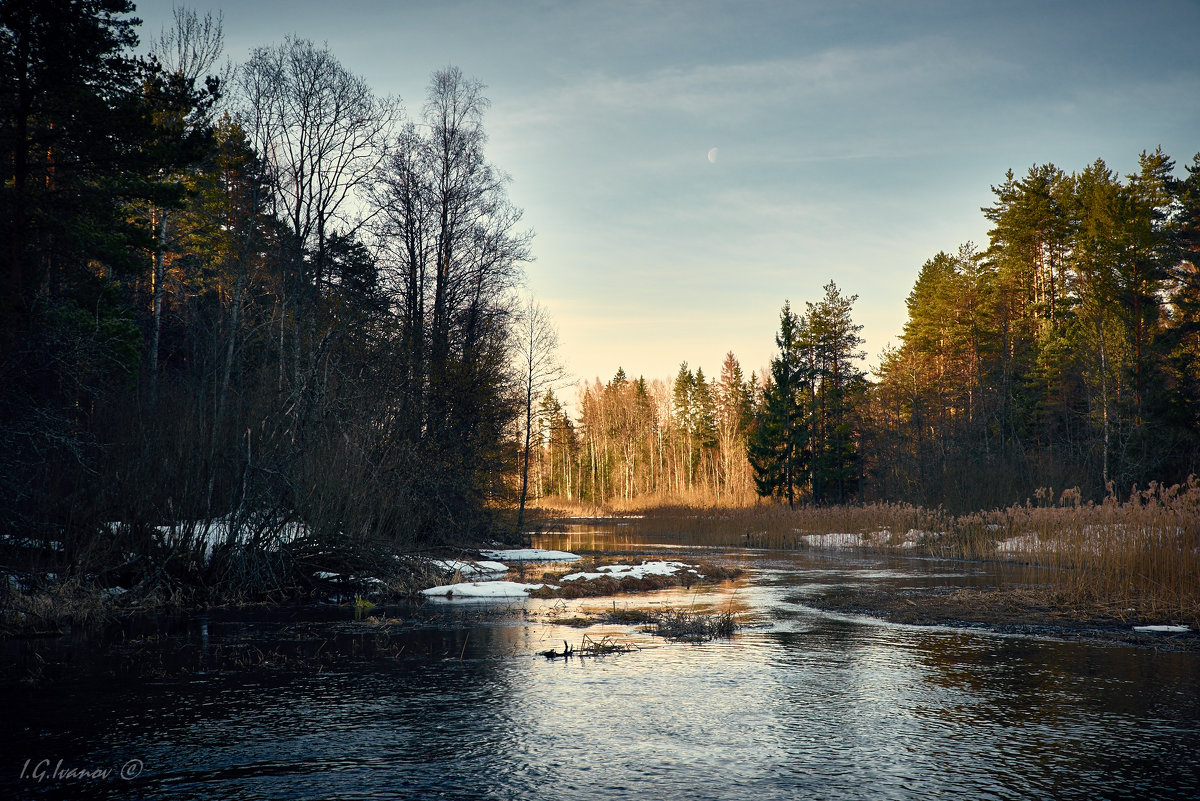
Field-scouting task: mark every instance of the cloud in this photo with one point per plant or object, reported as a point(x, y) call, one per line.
point(837, 74)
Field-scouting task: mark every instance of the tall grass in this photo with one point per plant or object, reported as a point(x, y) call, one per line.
point(1139, 554)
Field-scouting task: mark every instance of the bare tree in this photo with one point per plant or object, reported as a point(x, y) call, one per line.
point(450, 255)
point(450, 235)
point(536, 346)
point(192, 46)
point(324, 135)
point(476, 249)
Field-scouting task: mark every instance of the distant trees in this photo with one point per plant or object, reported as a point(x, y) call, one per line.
point(733, 407)
point(1065, 354)
point(638, 438)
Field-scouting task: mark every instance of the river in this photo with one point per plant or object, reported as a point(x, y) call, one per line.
point(451, 701)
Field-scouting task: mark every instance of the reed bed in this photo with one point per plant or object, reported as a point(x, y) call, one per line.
point(681, 625)
point(685, 626)
point(1139, 553)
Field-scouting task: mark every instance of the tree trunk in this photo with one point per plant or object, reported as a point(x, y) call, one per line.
point(528, 438)
point(159, 275)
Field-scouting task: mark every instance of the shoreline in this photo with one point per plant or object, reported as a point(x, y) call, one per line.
point(1018, 610)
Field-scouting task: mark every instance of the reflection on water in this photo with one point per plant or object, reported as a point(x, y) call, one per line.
point(451, 703)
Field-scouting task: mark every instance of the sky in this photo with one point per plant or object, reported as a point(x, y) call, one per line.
point(688, 166)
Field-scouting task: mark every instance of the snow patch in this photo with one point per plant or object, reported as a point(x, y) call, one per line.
point(469, 568)
point(834, 540)
point(1023, 543)
point(875, 539)
point(529, 555)
point(658, 568)
point(484, 589)
point(1162, 629)
point(30, 542)
point(211, 534)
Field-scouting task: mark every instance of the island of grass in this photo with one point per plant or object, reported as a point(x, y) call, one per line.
point(594, 581)
point(620, 578)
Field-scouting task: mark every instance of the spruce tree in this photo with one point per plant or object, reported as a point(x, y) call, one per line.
point(779, 438)
point(838, 384)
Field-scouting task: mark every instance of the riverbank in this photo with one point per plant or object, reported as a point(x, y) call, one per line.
point(39, 603)
point(1140, 553)
point(1028, 610)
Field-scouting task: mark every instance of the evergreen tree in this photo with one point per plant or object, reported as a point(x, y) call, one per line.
point(779, 438)
point(834, 341)
point(733, 413)
point(87, 135)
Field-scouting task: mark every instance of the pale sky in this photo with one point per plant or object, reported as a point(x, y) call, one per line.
point(688, 166)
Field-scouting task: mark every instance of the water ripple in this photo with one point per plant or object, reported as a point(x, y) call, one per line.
point(799, 704)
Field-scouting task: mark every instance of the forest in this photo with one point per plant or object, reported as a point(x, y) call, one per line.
point(270, 297)
point(1065, 355)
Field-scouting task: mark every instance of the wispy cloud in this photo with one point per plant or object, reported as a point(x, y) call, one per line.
point(835, 75)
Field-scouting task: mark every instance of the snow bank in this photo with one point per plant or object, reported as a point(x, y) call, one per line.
point(484, 589)
point(1023, 543)
point(214, 533)
point(875, 539)
point(835, 540)
point(529, 555)
point(634, 571)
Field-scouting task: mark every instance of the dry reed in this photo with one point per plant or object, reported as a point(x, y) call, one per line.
point(1139, 553)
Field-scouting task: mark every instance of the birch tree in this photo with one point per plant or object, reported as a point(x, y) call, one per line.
point(536, 352)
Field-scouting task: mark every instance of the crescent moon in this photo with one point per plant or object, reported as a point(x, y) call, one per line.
point(712, 156)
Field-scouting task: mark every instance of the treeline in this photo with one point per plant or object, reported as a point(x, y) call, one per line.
point(266, 297)
point(791, 433)
point(1066, 354)
point(1063, 355)
point(637, 438)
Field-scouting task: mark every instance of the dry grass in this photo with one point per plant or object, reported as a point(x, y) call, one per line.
point(554, 506)
point(682, 625)
point(677, 624)
point(53, 609)
point(685, 626)
point(1139, 553)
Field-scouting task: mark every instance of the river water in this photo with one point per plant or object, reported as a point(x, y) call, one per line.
point(453, 702)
